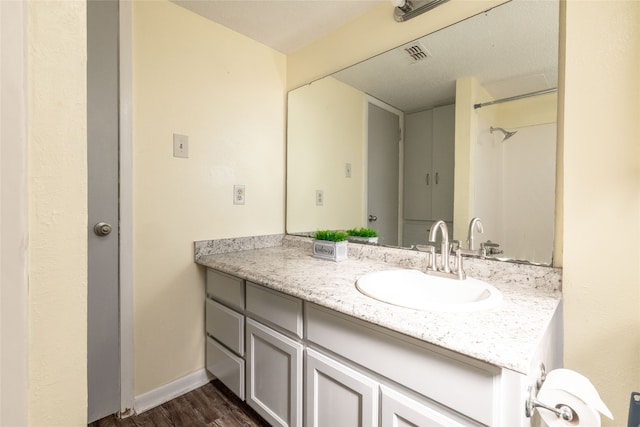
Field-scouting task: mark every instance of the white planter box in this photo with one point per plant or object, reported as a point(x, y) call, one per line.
point(332, 251)
point(358, 239)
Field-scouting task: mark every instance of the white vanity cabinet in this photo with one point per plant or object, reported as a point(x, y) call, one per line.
point(301, 364)
point(457, 389)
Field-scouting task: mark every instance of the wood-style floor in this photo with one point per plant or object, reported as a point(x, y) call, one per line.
point(211, 405)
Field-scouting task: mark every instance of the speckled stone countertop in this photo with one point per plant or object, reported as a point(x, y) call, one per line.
point(506, 336)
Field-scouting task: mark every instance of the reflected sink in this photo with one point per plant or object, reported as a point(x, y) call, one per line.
point(420, 291)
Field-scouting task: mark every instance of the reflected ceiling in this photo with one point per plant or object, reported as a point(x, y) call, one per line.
point(505, 48)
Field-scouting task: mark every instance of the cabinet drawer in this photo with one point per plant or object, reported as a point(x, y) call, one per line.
point(282, 310)
point(226, 366)
point(226, 288)
point(225, 325)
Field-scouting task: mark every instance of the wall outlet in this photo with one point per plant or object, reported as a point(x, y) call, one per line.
point(238, 195)
point(180, 146)
point(319, 198)
point(347, 170)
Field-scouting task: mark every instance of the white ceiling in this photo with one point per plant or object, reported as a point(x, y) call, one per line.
point(283, 25)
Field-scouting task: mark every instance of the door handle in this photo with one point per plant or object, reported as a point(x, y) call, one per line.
point(372, 218)
point(102, 229)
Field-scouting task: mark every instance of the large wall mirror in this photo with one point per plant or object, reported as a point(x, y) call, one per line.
point(458, 124)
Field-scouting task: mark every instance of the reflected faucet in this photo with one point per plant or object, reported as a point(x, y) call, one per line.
point(475, 223)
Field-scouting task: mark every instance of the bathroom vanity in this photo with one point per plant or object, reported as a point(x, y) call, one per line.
point(292, 336)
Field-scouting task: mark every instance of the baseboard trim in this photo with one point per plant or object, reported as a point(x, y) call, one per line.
point(160, 395)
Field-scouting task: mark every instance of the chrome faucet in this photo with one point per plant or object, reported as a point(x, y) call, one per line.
point(442, 269)
point(475, 223)
point(444, 246)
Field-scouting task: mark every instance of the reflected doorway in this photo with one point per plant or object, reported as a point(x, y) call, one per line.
point(383, 171)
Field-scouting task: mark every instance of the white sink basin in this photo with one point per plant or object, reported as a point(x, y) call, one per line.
point(415, 289)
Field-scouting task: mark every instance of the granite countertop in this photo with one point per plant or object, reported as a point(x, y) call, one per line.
point(506, 336)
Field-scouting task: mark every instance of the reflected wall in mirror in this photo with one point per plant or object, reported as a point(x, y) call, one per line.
point(450, 165)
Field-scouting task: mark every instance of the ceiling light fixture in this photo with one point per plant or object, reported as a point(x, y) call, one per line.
point(407, 9)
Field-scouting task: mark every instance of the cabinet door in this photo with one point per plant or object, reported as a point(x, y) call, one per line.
point(337, 395)
point(418, 178)
point(274, 375)
point(399, 410)
point(444, 130)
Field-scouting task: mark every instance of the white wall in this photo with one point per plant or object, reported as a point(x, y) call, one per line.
point(227, 93)
point(514, 179)
point(57, 138)
point(528, 191)
point(326, 130)
point(600, 131)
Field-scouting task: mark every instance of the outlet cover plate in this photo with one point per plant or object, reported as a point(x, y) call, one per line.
point(238, 195)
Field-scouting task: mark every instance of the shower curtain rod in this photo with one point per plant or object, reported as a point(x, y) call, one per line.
point(513, 98)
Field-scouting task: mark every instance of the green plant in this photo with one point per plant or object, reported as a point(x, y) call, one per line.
point(331, 236)
point(362, 232)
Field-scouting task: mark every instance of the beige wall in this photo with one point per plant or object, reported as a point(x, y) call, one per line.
point(468, 93)
point(56, 105)
point(601, 134)
point(326, 129)
point(227, 93)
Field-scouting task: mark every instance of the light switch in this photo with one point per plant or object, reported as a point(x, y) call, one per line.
point(347, 170)
point(180, 145)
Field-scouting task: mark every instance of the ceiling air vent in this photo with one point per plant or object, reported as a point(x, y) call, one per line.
point(416, 52)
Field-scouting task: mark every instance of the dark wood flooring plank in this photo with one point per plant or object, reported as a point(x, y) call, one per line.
point(181, 413)
point(204, 404)
point(156, 417)
point(236, 411)
point(212, 405)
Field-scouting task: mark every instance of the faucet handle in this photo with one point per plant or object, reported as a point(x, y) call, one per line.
point(458, 270)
